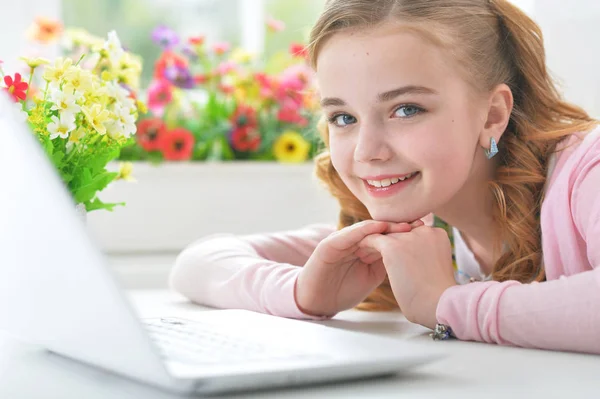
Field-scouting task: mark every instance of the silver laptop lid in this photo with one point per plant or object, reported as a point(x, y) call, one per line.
point(54, 287)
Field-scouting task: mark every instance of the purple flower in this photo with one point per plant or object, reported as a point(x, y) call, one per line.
point(190, 52)
point(180, 77)
point(165, 37)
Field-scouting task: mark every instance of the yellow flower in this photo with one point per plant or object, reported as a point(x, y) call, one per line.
point(34, 62)
point(128, 70)
point(107, 76)
point(141, 106)
point(77, 79)
point(96, 116)
point(241, 56)
point(57, 72)
point(125, 172)
point(77, 135)
point(291, 147)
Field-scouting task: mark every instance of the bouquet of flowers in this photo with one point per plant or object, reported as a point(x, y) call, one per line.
point(217, 103)
point(85, 113)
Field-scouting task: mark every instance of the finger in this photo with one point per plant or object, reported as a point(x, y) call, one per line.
point(417, 223)
point(398, 228)
point(370, 259)
point(368, 255)
point(376, 242)
point(350, 236)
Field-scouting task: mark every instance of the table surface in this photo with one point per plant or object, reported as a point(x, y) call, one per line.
point(470, 370)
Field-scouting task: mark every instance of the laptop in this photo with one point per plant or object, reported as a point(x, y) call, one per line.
point(56, 291)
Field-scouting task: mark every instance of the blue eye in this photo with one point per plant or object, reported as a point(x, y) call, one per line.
point(342, 120)
point(406, 111)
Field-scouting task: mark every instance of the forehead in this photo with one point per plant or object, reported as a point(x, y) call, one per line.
point(380, 57)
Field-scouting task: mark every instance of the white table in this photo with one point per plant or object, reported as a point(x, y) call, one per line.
point(471, 370)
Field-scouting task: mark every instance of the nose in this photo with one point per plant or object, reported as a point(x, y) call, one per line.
point(371, 144)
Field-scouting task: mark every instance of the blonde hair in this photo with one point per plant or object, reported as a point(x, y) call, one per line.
point(494, 42)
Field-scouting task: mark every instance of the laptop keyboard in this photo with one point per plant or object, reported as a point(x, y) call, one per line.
point(204, 344)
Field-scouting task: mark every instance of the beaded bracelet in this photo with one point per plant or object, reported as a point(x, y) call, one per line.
point(441, 332)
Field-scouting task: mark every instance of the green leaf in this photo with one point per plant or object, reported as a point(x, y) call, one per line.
point(97, 204)
point(92, 185)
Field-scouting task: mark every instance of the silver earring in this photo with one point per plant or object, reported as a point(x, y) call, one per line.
point(493, 149)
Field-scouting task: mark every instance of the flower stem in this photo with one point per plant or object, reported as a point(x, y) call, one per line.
point(46, 90)
point(29, 83)
point(80, 58)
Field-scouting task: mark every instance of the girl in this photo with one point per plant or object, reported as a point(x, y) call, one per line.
point(445, 108)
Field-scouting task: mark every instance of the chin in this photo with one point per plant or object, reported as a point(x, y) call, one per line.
point(395, 216)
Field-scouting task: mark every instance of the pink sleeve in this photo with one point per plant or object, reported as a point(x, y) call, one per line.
point(255, 272)
point(562, 314)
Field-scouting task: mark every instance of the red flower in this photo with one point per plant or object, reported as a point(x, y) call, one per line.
point(245, 139)
point(226, 89)
point(298, 50)
point(150, 133)
point(244, 117)
point(196, 40)
point(15, 87)
point(168, 59)
point(200, 79)
point(291, 115)
point(178, 145)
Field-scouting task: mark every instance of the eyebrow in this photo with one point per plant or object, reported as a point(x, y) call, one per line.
point(382, 97)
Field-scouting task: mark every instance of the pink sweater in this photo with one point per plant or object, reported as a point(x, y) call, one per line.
point(258, 272)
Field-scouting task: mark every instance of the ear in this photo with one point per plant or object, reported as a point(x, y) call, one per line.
point(498, 115)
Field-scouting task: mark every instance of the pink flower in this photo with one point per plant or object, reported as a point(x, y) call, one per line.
point(226, 67)
point(291, 115)
point(160, 93)
point(221, 48)
point(298, 50)
point(275, 25)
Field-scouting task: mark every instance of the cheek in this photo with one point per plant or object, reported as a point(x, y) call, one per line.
point(341, 151)
point(449, 154)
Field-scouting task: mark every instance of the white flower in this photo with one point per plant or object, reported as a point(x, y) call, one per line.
point(61, 127)
point(114, 48)
point(127, 119)
point(65, 102)
point(115, 128)
point(117, 92)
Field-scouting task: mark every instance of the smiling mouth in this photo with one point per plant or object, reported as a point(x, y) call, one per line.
point(390, 181)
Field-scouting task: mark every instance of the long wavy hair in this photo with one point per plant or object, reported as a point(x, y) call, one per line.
point(495, 43)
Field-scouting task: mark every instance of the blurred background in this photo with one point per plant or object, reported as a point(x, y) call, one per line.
point(253, 171)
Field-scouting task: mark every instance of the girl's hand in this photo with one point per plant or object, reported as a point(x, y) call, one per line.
point(419, 266)
point(340, 273)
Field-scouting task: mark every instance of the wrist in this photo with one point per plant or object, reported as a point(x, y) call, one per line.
point(305, 308)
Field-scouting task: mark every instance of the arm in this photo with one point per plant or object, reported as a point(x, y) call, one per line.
point(562, 314)
point(255, 272)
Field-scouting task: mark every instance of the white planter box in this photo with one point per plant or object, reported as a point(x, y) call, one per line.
point(173, 204)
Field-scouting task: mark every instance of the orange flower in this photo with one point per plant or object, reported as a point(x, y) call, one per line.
point(45, 30)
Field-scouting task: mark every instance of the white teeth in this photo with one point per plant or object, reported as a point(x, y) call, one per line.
point(389, 182)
